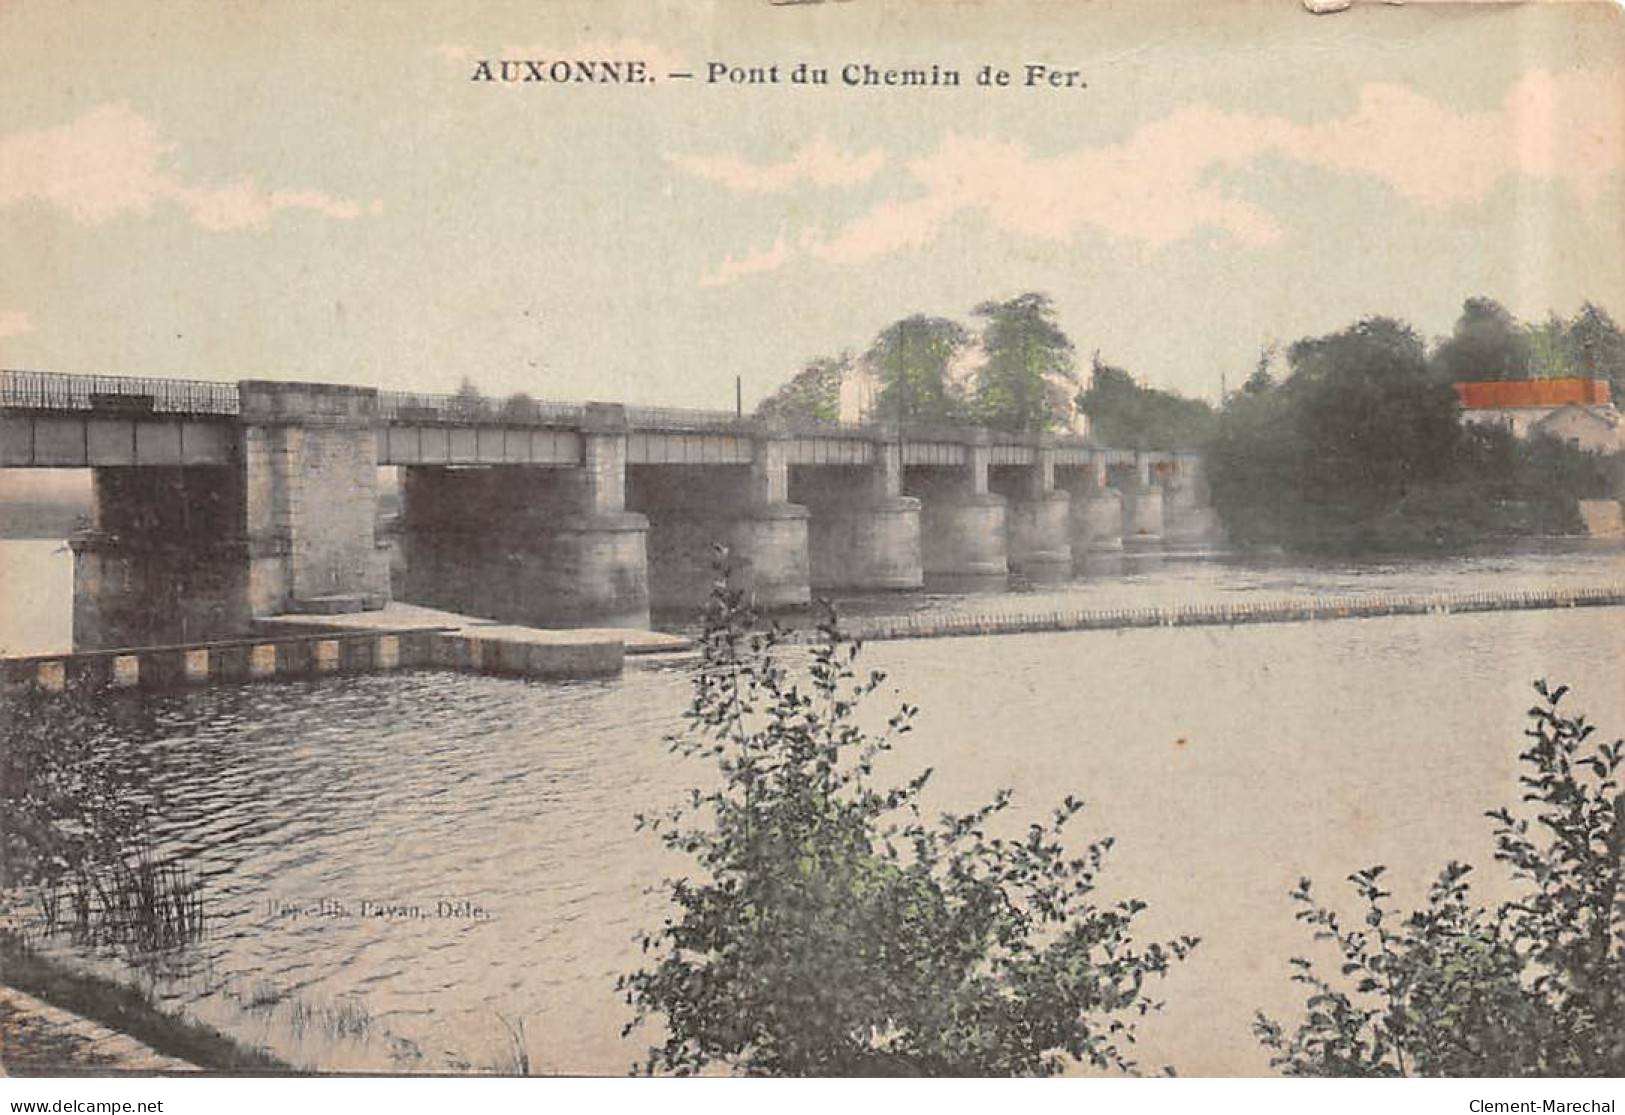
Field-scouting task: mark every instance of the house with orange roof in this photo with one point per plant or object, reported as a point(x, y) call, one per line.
point(1576, 410)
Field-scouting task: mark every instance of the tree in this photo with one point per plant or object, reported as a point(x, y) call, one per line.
point(1534, 987)
point(520, 407)
point(469, 402)
point(1549, 354)
point(1378, 421)
point(812, 394)
point(1488, 343)
point(1597, 347)
point(912, 357)
point(832, 929)
point(1026, 379)
point(1125, 415)
point(1261, 380)
point(1350, 451)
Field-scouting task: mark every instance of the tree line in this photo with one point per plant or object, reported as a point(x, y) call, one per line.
point(1360, 444)
point(1489, 343)
point(1024, 380)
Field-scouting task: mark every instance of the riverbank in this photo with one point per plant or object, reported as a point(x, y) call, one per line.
point(55, 1021)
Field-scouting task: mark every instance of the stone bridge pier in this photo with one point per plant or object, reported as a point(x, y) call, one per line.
point(527, 543)
point(1142, 503)
point(745, 508)
point(165, 559)
point(310, 494)
point(963, 533)
point(201, 524)
point(1188, 515)
point(863, 534)
point(1038, 516)
point(1096, 509)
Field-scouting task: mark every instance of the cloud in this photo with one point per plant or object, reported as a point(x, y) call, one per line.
point(109, 162)
point(1163, 183)
point(756, 263)
point(818, 161)
point(14, 323)
point(1558, 128)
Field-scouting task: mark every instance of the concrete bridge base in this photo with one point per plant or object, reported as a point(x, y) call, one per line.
point(309, 494)
point(873, 547)
point(166, 560)
point(1191, 526)
point(742, 509)
point(1040, 536)
point(963, 536)
point(127, 595)
point(863, 535)
point(1142, 516)
point(1097, 522)
point(766, 555)
point(514, 544)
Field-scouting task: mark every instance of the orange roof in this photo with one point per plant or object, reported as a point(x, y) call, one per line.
point(1503, 393)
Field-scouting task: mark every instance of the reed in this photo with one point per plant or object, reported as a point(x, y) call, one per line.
point(139, 901)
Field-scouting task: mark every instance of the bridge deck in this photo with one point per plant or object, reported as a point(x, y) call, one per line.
point(50, 420)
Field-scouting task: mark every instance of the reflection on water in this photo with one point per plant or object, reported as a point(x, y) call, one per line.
point(1146, 578)
point(36, 583)
point(436, 853)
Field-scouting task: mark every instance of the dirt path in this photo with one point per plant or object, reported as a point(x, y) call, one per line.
point(37, 1039)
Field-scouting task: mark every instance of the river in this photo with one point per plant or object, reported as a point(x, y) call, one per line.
point(1227, 762)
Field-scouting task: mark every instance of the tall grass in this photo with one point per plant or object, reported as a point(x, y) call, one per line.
point(139, 901)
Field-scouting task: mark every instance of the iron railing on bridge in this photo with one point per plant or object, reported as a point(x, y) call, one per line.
point(687, 418)
point(58, 391)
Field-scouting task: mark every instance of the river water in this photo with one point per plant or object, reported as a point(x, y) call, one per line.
point(405, 872)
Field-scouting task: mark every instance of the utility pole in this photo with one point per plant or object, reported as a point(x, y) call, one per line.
point(739, 396)
point(902, 391)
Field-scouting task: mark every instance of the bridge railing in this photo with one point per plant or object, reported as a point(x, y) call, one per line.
point(58, 391)
point(25, 390)
point(924, 431)
point(411, 406)
point(686, 418)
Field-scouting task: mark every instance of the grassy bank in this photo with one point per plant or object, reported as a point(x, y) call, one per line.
point(129, 1011)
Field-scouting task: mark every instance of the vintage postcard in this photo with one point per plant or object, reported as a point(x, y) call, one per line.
point(800, 538)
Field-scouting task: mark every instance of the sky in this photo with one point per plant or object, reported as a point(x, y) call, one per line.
point(322, 191)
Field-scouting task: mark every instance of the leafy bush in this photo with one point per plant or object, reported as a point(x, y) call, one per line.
point(832, 930)
point(1535, 987)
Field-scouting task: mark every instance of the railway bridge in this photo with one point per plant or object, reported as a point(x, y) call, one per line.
point(220, 503)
